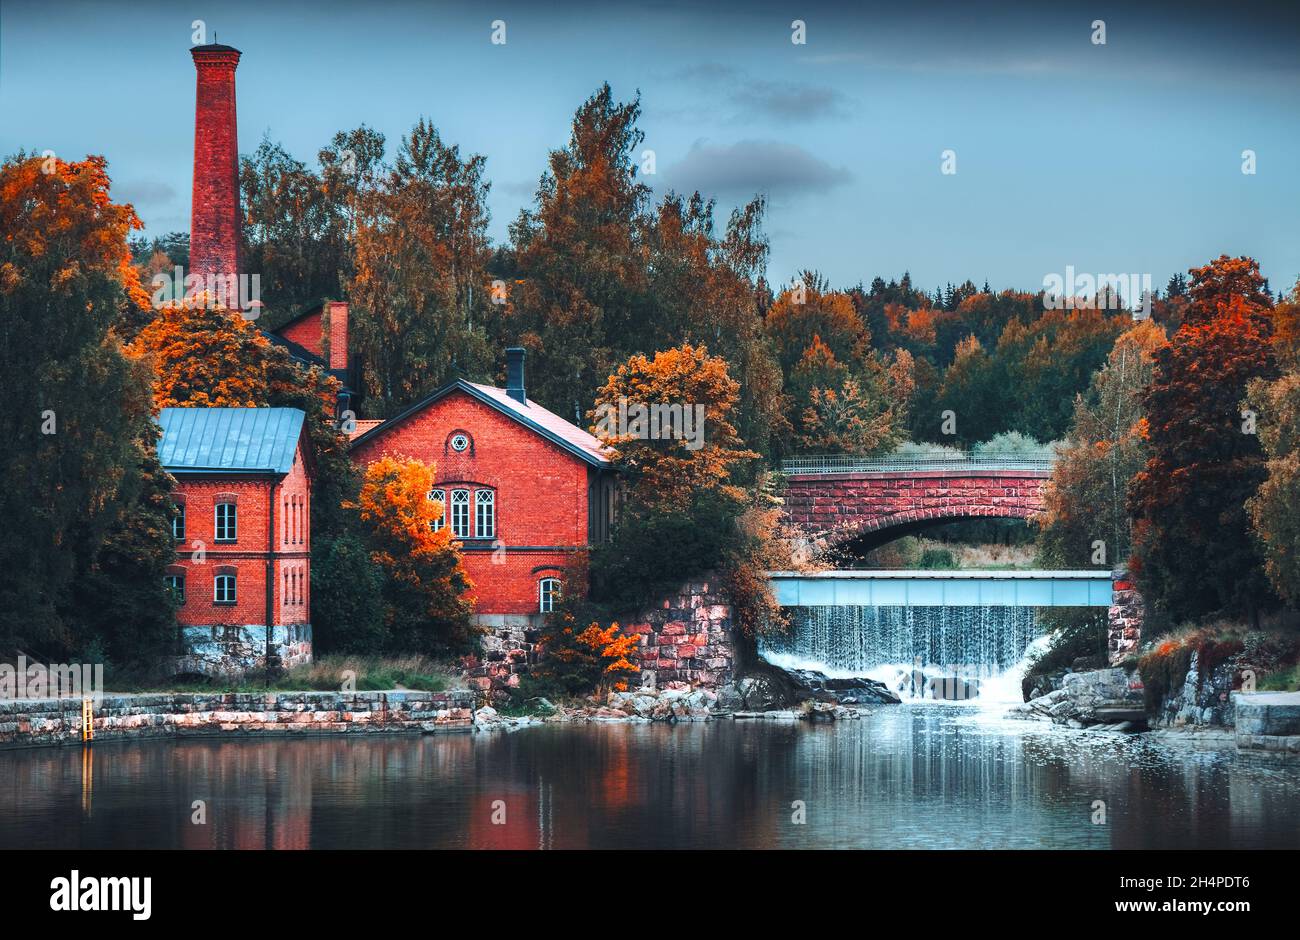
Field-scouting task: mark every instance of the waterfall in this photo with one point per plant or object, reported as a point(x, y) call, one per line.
point(849, 640)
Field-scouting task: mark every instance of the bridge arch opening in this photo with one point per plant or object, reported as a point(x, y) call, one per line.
point(867, 545)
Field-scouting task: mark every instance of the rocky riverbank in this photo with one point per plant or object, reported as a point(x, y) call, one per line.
point(35, 722)
point(1204, 712)
point(798, 695)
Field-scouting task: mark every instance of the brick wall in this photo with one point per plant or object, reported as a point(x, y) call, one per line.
point(307, 332)
point(541, 494)
point(335, 330)
point(214, 223)
point(231, 638)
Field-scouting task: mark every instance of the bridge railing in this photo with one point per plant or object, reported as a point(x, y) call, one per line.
point(904, 463)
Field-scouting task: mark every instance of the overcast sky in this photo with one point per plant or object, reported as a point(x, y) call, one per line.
point(1123, 157)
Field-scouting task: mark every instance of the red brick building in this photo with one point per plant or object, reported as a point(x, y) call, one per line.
point(521, 488)
point(242, 574)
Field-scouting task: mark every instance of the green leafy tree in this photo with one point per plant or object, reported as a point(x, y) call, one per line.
point(421, 290)
point(580, 256)
point(1104, 450)
point(80, 500)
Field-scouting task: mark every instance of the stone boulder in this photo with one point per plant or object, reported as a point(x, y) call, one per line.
point(850, 691)
point(1109, 697)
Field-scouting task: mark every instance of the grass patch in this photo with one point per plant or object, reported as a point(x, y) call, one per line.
point(1285, 681)
point(327, 674)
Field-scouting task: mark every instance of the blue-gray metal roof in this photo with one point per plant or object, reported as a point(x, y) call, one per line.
point(229, 440)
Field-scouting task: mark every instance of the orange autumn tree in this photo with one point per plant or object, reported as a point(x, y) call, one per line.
point(668, 465)
point(425, 608)
point(204, 356)
point(578, 662)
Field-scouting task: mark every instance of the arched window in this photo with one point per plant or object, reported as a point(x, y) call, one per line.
point(439, 511)
point(548, 593)
point(460, 513)
point(485, 518)
point(223, 589)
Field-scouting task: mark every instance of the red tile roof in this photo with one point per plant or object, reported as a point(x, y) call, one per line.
point(547, 419)
point(532, 415)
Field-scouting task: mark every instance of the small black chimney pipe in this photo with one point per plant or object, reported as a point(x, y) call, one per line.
point(515, 374)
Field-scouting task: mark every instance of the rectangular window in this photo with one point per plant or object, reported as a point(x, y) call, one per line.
point(225, 522)
point(176, 584)
point(460, 513)
point(548, 592)
point(223, 589)
point(440, 511)
point(485, 523)
point(178, 523)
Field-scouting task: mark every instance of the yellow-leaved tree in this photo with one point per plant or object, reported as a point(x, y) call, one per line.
point(424, 584)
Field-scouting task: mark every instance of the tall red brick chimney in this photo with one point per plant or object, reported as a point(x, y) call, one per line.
point(214, 218)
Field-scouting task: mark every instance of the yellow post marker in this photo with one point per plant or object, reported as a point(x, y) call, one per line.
point(87, 718)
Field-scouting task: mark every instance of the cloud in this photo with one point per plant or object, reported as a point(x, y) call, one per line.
point(524, 189)
point(144, 193)
point(735, 96)
point(788, 101)
point(741, 169)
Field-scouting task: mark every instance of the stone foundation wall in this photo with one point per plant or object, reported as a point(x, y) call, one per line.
point(1124, 619)
point(1268, 722)
point(509, 649)
point(228, 651)
point(686, 640)
point(30, 722)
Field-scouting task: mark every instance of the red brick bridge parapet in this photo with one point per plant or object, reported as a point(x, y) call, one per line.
point(834, 500)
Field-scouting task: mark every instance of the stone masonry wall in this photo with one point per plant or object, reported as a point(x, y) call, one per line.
point(231, 650)
point(686, 639)
point(1124, 619)
point(29, 722)
point(509, 649)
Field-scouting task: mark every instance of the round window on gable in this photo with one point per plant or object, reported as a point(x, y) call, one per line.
point(459, 442)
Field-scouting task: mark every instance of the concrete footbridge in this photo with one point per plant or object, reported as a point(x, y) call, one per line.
point(961, 588)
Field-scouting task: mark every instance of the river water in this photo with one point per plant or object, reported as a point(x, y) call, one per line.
point(919, 775)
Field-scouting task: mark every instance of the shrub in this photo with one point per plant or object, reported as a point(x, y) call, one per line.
point(576, 662)
point(1077, 633)
point(937, 558)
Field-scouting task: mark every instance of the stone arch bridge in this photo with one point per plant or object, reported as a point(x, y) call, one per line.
point(840, 499)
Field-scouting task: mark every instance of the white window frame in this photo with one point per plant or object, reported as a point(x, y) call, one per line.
point(438, 495)
point(232, 526)
point(460, 522)
point(549, 590)
point(178, 523)
point(216, 589)
point(176, 584)
point(485, 514)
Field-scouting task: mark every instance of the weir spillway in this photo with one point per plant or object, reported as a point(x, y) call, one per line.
point(857, 621)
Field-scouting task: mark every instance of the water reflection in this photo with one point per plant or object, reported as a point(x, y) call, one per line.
point(916, 776)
